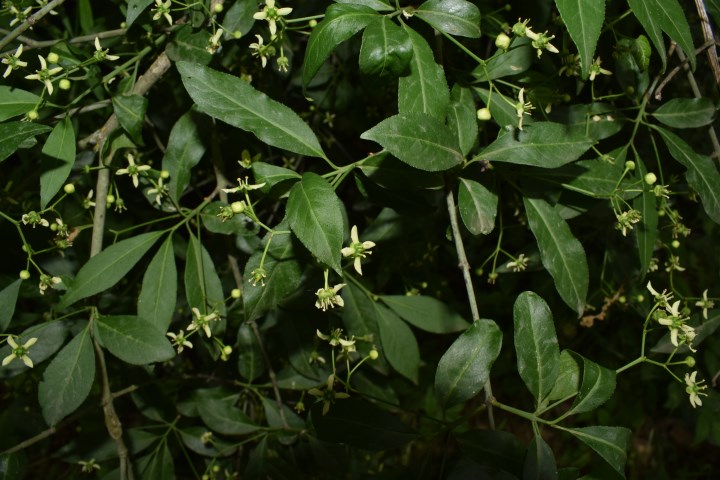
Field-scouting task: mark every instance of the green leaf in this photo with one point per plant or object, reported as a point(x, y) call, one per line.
point(398, 343)
point(419, 140)
point(356, 422)
point(425, 90)
point(478, 207)
point(563, 256)
point(315, 215)
point(224, 417)
point(67, 379)
point(237, 225)
point(595, 120)
point(14, 102)
point(13, 134)
point(541, 144)
point(158, 464)
point(13, 466)
point(610, 443)
point(190, 45)
point(596, 178)
point(540, 461)
point(518, 58)
point(360, 319)
point(568, 379)
point(50, 337)
point(493, 448)
point(272, 175)
point(250, 360)
point(341, 22)
point(686, 112)
point(389, 172)
point(239, 18)
point(657, 16)
point(664, 345)
point(386, 49)
point(646, 231)
point(158, 293)
point(133, 340)
point(272, 414)
point(108, 267)
point(377, 5)
point(184, 150)
point(60, 147)
point(426, 313)
point(454, 17)
point(702, 174)
point(461, 117)
point(536, 345)
point(464, 368)
point(598, 385)
point(202, 284)
point(283, 276)
point(502, 108)
point(130, 112)
point(8, 300)
point(237, 103)
point(134, 9)
point(584, 20)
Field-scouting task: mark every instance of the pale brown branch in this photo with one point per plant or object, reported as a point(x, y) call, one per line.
point(709, 37)
point(31, 20)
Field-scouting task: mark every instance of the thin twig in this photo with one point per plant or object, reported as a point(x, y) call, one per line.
point(29, 22)
point(30, 441)
point(33, 44)
point(709, 37)
point(678, 67)
point(465, 268)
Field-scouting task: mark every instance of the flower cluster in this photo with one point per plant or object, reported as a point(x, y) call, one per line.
point(626, 220)
point(357, 249)
point(33, 218)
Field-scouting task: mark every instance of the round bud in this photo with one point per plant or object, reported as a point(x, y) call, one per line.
point(237, 34)
point(622, 299)
point(236, 293)
point(690, 361)
point(237, 207)
point(218, 8)
point(479, 272)
point(123, 24)
point(373, 354)
point(650, 178)
point(640, 298)
point(630, 165)
point(54, 227)
point(64, 84)
point(32, 115)
point(675, 244)
point(484, 114)
point(312, 23)
point(661, 213)
point(53, 57)
point(24, 248)
point(164, 174)
point(24, 274)
point(227, 349)
point(502, 41)
point(110, 199)
point(69, 188)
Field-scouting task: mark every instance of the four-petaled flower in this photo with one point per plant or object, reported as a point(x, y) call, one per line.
point(519, 264)
point(663, 298)
point(596, 69)
point(328, 297)
point(13, 61)
point(162, 9)
point(335, 338)
point(272, 15)
point(89, 466)
point(19, 351)
point(357, 249)
point(33, 218)
point(101, 54)
point(705, 304)
point(44, 74)
point(694, 389)
point(258, 276)
point(680, 332)
point(202, 321)
point(47, 281)
point(159, 191)
point(132, 169)
point(262, 51)
point(243, 186)
point(522, 108)
point(328, 394)
point(20, 15)
point(180, 341)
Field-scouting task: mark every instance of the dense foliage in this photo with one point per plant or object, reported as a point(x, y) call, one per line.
point(358, 239)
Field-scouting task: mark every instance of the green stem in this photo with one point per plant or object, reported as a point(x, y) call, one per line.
point(637, 361)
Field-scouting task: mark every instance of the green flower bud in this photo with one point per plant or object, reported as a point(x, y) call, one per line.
point(373, 354)
point(502, 41)
point(32, 115)
point(630, 165)
point(164, 174)
point(237, 34)
point(675, 244)
point(218, 8)
point(650, 178)
point(690, 361)
point(64, 84)
point(312, 23)
point(69, 188)
point(236, 293)
point(24, 274)
point(110, 199)
point(53, 57)
point(484, 114)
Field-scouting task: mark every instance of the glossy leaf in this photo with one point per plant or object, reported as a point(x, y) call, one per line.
point(595, 178)
point(13, 134)
point(517, 59)
point(239, 18)
point(567, 382)
point(108, 267)
point(702, 174)
point(398, 343)
point(646, 231)
point(563, 256)
point(134, 9)
point(454, 17)
point(130, 112)
point(8, 300)
point(283, 276)
point(584, 20)
point(133, 340)
point(341, 22)
point(203, 288)
point(250, 361)
point(465, 367)
point(358, 423)
point(541, 144)
point(315, 215)
point(272, 175)
point(461, 117)
point(189, 45)
point(224, 417)
point(385, 50)
point(598, 385)
point(237, 103)
point(419, 140)
point(377, 5)
point(237, 225)
point(686, 112)
point(158, 294)
point(67, 379)
point(14, 102)
point(595, 120)
point(502, 108)
point(184, 150)
point(540, 461)
point(60, 150)
point(478, 207)
point(426, 313)
point(611, 443)
point(658, 16)
point(536, 345)
point(425, 89)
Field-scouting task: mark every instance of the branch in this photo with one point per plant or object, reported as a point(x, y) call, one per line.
point(32, 20)
point(709, 37)
point(33, 44)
